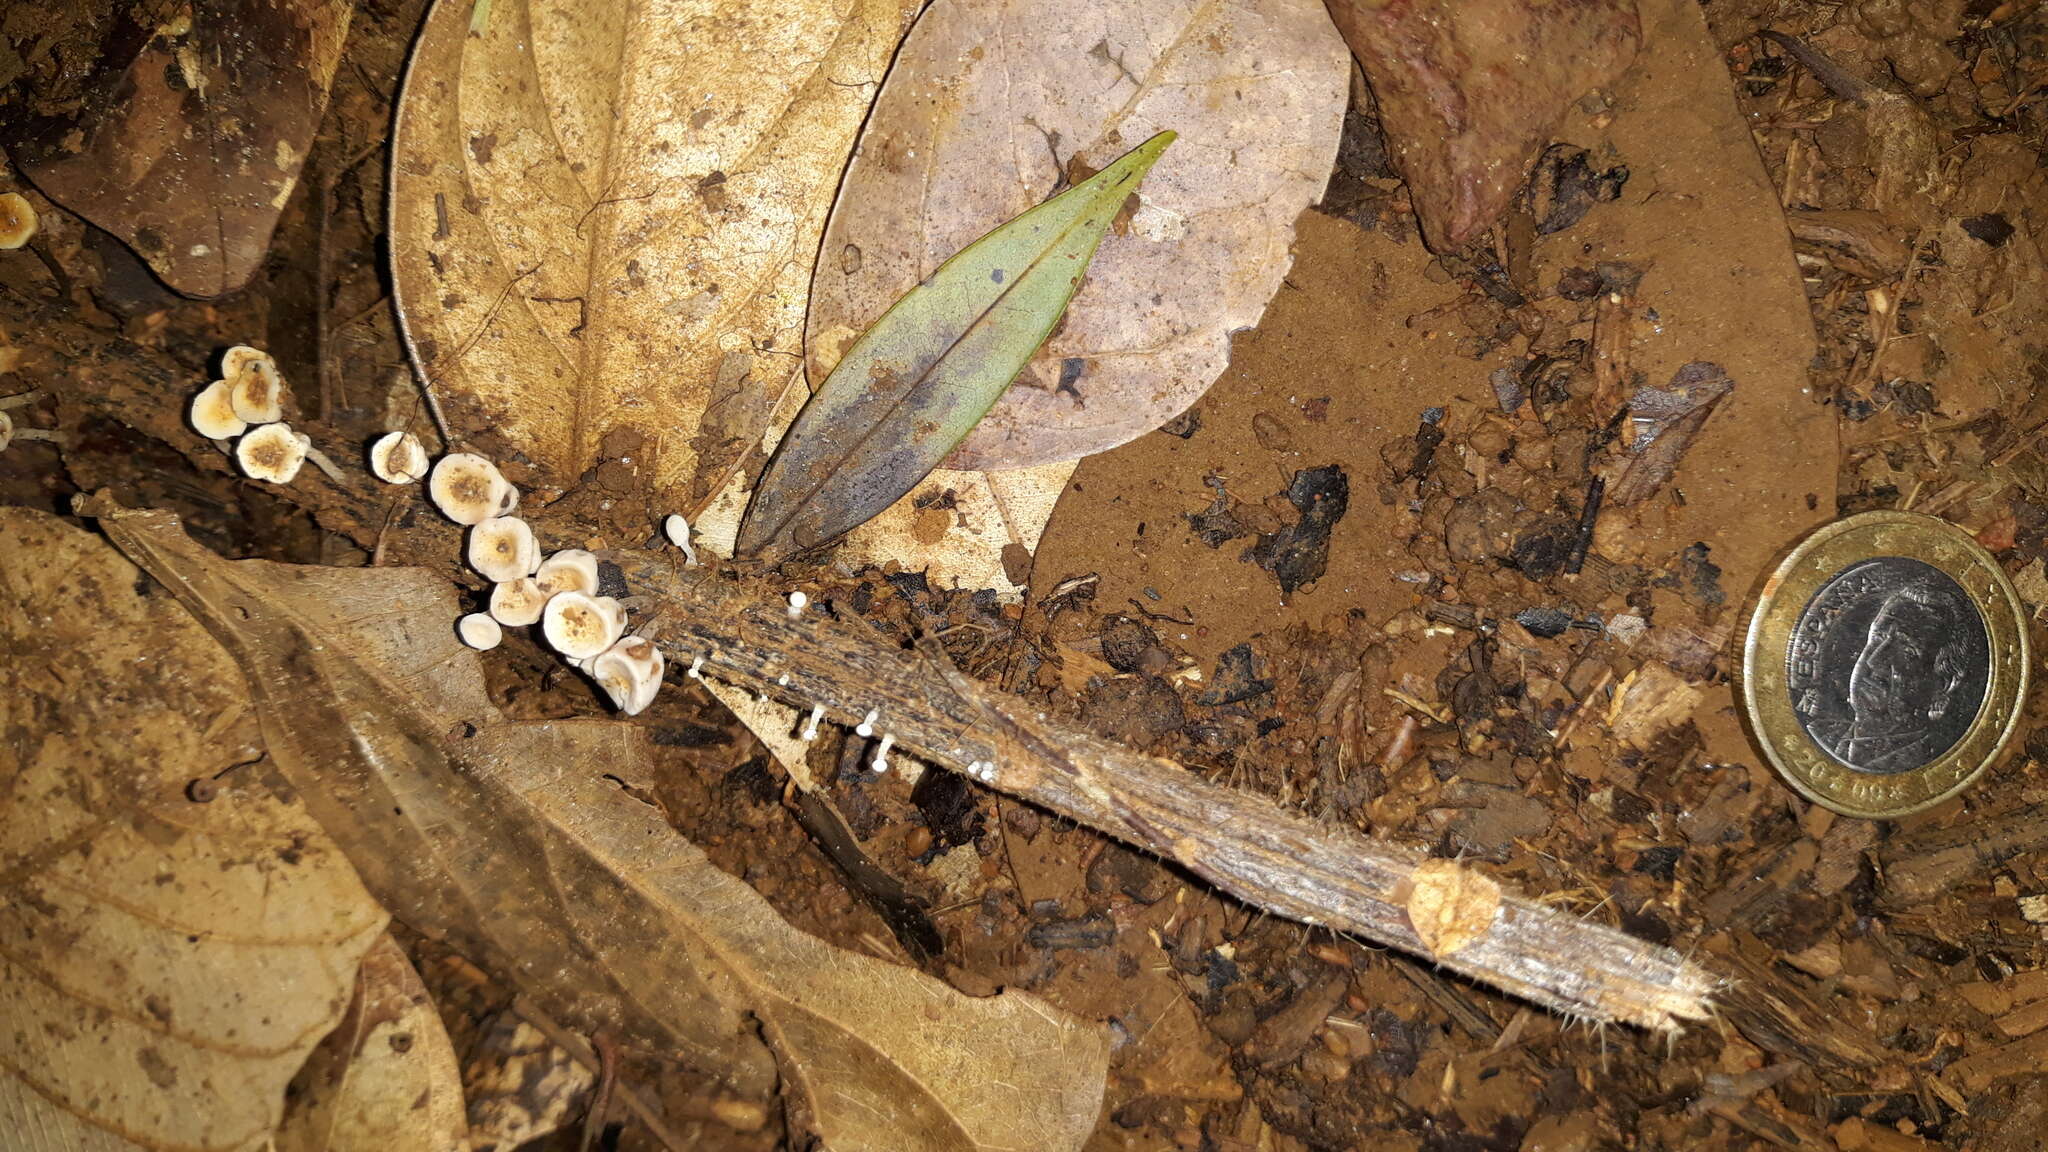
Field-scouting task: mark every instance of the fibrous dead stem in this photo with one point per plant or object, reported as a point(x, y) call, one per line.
point(1242, 843)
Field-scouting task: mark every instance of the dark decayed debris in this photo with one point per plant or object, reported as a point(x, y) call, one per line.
point(1297, 554)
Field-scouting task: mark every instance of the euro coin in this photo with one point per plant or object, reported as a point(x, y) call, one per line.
point(1885, 664)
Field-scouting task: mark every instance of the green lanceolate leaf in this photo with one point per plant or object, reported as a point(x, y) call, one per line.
point(918, 380)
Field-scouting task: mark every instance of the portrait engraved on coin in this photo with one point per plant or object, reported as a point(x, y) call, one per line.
point(1888, 665)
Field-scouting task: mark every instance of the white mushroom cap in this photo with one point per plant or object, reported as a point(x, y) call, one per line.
point(6, 431)
point(503, 549)
point(17, 220)
point(630, 673)
point(517, 603)
point(469, 489)
point(257, 392)
point(271, 452)
point(480, 632)
point(570, 570)
point(237, 360)
point(213, 413)
point(398, 458)
point(580, 626)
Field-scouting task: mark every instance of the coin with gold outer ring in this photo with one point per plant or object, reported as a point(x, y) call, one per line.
point(1886, 664)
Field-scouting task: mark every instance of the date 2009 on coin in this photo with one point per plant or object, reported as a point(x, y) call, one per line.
point(1885, 664)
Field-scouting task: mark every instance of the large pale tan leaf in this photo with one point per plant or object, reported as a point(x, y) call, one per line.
point(387, 1079)
point(508, 841)
point(993, 105)
point(185, 132)
point(165, 964)
point(604, 215)
point(882, 1057)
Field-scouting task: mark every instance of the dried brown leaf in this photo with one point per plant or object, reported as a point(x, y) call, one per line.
point(1662, 425)
point(185, 139)
point(165, 964)
point(1469, 91)
point(386, 1080)
point(491, 836)
point(604, 216)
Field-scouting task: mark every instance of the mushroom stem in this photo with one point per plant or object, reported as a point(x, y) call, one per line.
point(30, 397)
point(319, 460)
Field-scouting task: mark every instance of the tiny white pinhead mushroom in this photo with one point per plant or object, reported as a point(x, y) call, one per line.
point(697, 668)
point(273, 452)
point(866, 728)
point(213, 413)
point(469, 489)
point(810, 731)
point(517, 603)
point(578, 626)
point(17, 220)
point(398, 458)
point(570, 570)
point(630, 673)
point(797, 603)
point(881, 761)
point(677, 528)
point(503, 549)
point(257, 392)
point(480, 632)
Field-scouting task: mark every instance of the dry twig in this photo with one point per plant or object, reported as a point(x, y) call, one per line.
point(1240, 842)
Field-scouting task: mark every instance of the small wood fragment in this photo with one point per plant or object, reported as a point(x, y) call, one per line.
point(1979, 1070)
point(2024, 1021)
point(1451, 906)
point(1859, 1135)
point(1650, 701)
point(1921, 865)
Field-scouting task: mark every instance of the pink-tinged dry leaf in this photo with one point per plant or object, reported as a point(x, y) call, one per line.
point(1469, 91)
point(604, 216)
point(994, 105)
point(386, 1079)
point(173, 939)
point(509, 842)
point(185, 138)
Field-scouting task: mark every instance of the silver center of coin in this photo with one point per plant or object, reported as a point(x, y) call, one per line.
point(1888, 665)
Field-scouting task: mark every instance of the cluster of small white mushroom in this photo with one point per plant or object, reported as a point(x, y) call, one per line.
point(246, 405)
point(559, 592)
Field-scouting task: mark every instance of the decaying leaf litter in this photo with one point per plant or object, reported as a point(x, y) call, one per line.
point(1443, 679)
